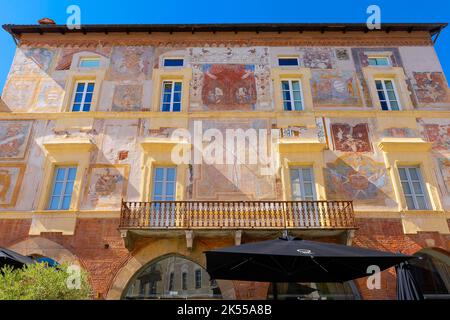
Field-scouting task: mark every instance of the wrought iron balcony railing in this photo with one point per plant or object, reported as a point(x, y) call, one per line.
point(237, 215)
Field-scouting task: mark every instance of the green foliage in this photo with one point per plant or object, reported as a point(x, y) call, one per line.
point(40, 282)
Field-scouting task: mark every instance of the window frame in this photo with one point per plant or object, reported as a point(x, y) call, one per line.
point(388, 59)
point(388, 101)
point(85, 92)
point(173, 58)
point(172, 94)
point(302, 183)
point(288, 57)
point(81, 59)
point(291, 91)
point(164, 183)
point(62, 194)
point(410, 182)
point(184, 275)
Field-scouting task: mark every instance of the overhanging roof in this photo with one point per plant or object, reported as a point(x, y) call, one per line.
point(17, 30)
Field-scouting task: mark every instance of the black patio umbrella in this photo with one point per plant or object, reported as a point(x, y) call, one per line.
point(13, 259)
point(407, 287)
point(291, 259)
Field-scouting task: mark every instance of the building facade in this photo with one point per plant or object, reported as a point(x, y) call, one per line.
point(115, 149)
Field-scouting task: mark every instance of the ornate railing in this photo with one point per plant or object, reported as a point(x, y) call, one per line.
point(237, 215)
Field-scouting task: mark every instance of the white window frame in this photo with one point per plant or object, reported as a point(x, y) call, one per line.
point(389, 63)
point(62, 195)
point(89, 59)
point(291, 93)
point(164, 183)
point(86, 82)
point(302, 183)
point(173, 58)
point(288, 57)
point(413, 193)
point(172, 94)
point(388, 101)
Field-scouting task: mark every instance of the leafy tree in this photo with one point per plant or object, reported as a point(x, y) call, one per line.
point(40, 282)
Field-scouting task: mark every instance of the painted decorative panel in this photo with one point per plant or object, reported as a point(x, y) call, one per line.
point(14, 136)
point(50, 94)
point(106, 186)
point(334, 88)
point(438, 134)
point(399, 133)
point(350, 138)
point(19, 93)
point(431, 87)
point(127, 98)
point(444, 169)
point(132, 63)
point(359, 178)
point(318, 58)
point(11, 176)
point(32, 61)
point(66, 55)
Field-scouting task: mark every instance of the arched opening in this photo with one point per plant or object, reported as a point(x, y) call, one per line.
point(314, 291)
point(432, 272)
point(172, 277)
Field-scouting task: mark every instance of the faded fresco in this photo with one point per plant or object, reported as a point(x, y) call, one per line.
point(32, 61)
point(334, 88)
point(117, 138)
point(19, 93)
point(14, 136)
point(229, 87)
point(444, 168)
point(107, 185)
point(127, 98)
point(11, 176)
point(131, 63)
point(398, 133)
point(342, 54)
point(431, 87)
point(50, 95)
point(231, 181)
point(359, 178)
point(66, 55)
point(438, 135)
point(350, 138)
point(318, 58)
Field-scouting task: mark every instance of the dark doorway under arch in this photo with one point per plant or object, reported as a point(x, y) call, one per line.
point(315, 291)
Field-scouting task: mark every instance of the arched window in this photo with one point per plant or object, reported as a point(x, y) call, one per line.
point(172, 277)
point(315, 291)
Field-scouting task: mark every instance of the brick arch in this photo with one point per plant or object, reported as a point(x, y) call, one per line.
point(156, 250)
point(47, 248)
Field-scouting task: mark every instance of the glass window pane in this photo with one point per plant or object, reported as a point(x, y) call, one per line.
point(173, 62)
point(167, 87)
point(158, 188)
point(57, 189)
point(177, 107)
point(372, 62)
point(285, 85)
point(80, 87)
point(60, 174)
point(308, 189)
point(406, 188)
point(170, 189)
point(296, 85)
point(76, 107)
point(288, 62)
point(394, 105)
point(298, 105)
point(413, 173)
point(417, 188)
point(78, 97)
point(87, 107)
point(402, 172)
point(66, 203)
point(389, 85)
point(410, 203)
point(287, 105)
point(384, 105)
point(90, 87)
point(171, 174)
point(379, 85)
point(286, 95)
point(295, 175)
point(72, 173)
point(422, 205)
point(89, 63)
point(297, 95)
point(177, 86)
point(306, 174)
point(159, 174)
point(177, 97)
point(167, 98)
point(391, 95)
point(88, 97)
point(166, 107)
point(69, 188)
point(381, 95)
point(54, 203)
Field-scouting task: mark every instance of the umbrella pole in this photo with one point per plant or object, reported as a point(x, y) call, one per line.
point(274, 291)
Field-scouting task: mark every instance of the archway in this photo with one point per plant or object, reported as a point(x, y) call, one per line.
point(172, 277)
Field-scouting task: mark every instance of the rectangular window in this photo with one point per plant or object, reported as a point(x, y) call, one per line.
point(171, 96)
point(413, 188)
point(82, 99)
point(164, 182)
point(171, 276)
point(184, 280)
point(379, 61)
point(387, 94)
point(61, 196)
point(198, 279)
point(302, 184)
point(292, 95)
point(288, 61)
point(89, 63)
point(173, 62)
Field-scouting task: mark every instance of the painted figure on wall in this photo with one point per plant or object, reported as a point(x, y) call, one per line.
point(127, 98)
point(334, 88)
point(431, 87)
point(14, 137)
point(359, 178)
point(438, 134)
point(229, 86)
point(349, 138)
point(11, 176)
point(318, 58)
point(131, 63)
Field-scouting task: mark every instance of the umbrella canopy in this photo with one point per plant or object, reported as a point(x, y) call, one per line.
point(295, 260)
point(13, 259)
point(407, 287)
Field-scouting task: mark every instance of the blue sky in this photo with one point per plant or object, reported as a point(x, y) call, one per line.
point(229, 11)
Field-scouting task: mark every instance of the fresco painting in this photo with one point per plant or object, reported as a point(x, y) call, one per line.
point(334, 88)
point(348, 138)
point(14, 136)
point(32, 61)
point(66, 55)
point(19, 93)
point(50, 95)
point(399, 133)
point(127, 98)
point(318, 58)
point(438, 135)
point(107, 185)
point(359, 178)
point(444, 168)
point(11, 176)
point(431, 87)
point(131, 63)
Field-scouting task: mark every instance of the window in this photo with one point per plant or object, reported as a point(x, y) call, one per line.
point(171, 275)
point(82, 100)
point(387, 94)
point(164, 180)
point(198, 279)
point(89, 63)
point(288, 61)
point(292, 95)
point(173, 62)
point(63, 181)
point(184, 280)
point(413, 188)
point(379, 61)
point(302, 184)
point(171, 96)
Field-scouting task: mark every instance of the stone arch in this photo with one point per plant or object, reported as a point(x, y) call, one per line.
point(155, 250)
point(47, 248)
